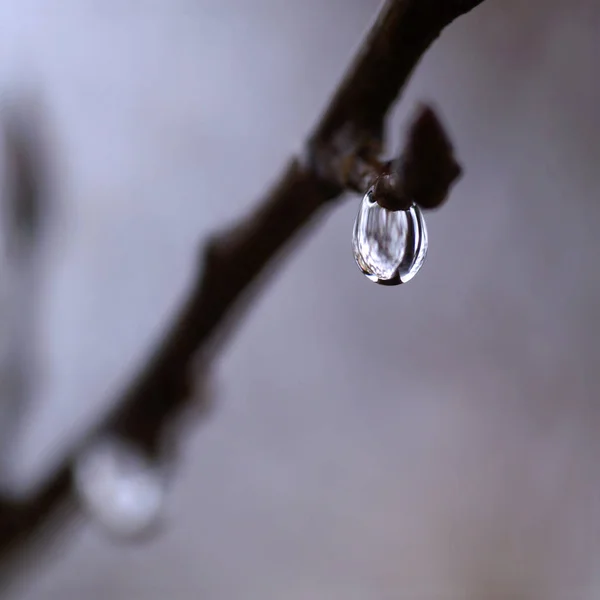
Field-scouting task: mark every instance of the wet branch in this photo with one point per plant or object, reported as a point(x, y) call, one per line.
point(343, 152)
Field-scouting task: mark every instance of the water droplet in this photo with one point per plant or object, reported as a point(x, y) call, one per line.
point(120, 487)
point(389, 246)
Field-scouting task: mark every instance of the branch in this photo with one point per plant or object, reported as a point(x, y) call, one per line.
point(341, 153)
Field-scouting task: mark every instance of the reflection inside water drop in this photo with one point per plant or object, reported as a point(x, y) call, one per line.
point(389, 246)
point(120, 487)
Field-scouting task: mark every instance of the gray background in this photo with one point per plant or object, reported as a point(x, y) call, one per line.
point(437, 440)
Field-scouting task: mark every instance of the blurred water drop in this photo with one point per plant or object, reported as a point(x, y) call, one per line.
point(389, 246)
point(120, 487)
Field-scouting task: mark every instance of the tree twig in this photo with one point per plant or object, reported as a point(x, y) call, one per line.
point(343, 147)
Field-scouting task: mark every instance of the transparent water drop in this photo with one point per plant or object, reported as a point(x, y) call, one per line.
point(389, 246)
point(120, 487)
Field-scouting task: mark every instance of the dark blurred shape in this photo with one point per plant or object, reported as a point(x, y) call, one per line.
point(23, 213)
point(24, 202)
point(427, 167)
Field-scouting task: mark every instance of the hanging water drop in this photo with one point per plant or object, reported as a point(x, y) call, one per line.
point(120, 487)
point(389, 246)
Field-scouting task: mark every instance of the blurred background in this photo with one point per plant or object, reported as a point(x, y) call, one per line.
point(437, 440)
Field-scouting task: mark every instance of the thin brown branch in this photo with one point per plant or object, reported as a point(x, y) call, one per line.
point(399, 37)
point(232, 261)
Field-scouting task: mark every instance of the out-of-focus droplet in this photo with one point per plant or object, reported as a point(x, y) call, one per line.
point(120, 487)
point(389, 246)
